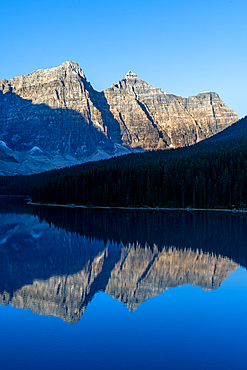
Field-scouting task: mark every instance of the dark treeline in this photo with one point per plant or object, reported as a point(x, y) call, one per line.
point(214, 178)
point(217, 233)
point(24, 184)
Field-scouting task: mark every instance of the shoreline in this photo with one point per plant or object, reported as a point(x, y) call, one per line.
point(188, 209)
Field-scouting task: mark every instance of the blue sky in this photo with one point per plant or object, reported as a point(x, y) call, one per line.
point(183, 47)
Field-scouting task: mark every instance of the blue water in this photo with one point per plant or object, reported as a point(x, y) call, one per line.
point(184, 327)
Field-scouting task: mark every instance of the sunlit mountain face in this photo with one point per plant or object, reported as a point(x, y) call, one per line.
point(53, 118)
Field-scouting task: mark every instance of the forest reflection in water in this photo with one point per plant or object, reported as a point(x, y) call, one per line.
point(54, 260)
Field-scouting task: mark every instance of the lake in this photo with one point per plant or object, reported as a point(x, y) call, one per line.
point(107, 289)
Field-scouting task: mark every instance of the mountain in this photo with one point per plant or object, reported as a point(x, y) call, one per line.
point(153, 119)
point(54, 118)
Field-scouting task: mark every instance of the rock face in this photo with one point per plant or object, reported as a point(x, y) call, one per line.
point(53, 109)
point(153, 119)
point(58, 111)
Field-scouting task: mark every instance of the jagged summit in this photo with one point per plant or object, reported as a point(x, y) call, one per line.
point(207, 93)
point(49, 74)
point(137, 86)
point(70, 64)
point(130, 74)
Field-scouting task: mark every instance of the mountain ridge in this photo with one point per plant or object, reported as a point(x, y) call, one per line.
point(59, 111)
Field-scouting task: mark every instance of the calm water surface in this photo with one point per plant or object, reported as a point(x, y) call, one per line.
point(98, 289)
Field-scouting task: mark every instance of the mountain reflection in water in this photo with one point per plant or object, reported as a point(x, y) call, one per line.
point(130, 255)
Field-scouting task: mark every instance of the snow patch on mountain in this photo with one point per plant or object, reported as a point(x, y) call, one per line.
point(4, 145)
point(35, 151)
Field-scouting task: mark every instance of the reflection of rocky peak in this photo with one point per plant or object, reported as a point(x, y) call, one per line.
point(131, 274)
point(56, 272)
point(142, 273)
point(62, 296)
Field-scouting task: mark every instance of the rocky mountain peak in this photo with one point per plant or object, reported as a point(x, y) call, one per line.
point(70, 64)
point(130, 75)
point(136, 87)
point(72, 67)
point(208, 93)
point(44, 76)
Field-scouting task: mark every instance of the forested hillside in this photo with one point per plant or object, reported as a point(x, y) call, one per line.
point(213, 176)
point(210, 174)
